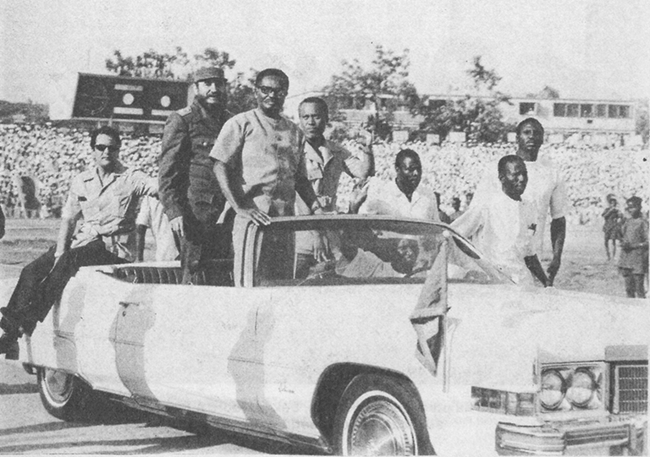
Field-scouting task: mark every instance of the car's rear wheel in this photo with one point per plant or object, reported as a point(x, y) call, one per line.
point(64, 396)
point(378, 415)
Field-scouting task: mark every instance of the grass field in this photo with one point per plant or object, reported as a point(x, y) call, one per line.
point(584, 264)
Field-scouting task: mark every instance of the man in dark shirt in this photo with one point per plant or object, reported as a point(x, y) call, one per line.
point(189, 190)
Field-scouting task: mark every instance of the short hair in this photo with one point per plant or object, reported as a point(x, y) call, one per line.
point(316, 101)
point(505, 160)
point(403, 154)
point(529, 120)
point(455, 200)
point(635, 201)
point(282, 76)
point(105, 130)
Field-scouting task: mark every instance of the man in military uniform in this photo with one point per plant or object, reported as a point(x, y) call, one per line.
point(189, 190)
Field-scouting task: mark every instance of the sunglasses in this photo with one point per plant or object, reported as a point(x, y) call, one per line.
point(103, 147)
point(266, 90)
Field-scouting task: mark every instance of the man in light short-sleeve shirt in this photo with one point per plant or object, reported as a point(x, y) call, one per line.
point(258, 160)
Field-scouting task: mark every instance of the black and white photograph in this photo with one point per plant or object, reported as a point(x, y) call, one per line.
point(354, 227)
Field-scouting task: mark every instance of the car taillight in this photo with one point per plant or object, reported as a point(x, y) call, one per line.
point(572, 387)
point(503, 402)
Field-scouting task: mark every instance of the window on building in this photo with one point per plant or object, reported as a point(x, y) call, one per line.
point(586, 110)
point(612, 111)
point(573, 110)
point(601, 110)
point(527, 108)
point(559, 109)
point(624, 111)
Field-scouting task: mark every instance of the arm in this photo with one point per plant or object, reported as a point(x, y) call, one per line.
point(173, 170)
point(558, 235)
point(535, 267)
point(66, 229)
point(235, 197)
point(306, 192)
point(140, 234)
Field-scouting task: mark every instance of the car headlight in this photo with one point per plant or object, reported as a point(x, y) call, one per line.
point(553, 389)
point(572, 387)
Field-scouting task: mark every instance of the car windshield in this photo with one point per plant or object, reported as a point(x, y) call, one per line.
point(353, 250)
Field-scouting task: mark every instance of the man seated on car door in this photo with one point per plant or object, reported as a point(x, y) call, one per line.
point(105, 196)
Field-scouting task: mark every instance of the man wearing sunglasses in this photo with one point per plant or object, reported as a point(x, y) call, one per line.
point(105, 197)
point(189, 190)
point(259, 164)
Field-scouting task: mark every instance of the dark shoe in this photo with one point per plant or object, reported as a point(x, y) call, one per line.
point(9, 346)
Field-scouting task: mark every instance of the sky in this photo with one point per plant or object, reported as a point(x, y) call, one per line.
point(595, 49)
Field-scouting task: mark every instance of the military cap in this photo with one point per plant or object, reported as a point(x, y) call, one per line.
point(207, 73)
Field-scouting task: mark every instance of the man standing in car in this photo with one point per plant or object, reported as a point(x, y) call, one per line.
point(189, 191)
point(259, 164)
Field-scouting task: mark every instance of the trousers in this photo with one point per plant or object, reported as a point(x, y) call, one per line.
point(41, 284)
point(204, 241)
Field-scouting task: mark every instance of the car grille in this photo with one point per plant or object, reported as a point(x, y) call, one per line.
point(631, 384)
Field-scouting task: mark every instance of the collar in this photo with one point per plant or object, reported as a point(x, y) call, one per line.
point(322, 155)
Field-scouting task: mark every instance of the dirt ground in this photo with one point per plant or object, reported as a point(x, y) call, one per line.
point(584, 263)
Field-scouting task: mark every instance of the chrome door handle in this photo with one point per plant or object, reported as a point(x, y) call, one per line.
point(126, 304)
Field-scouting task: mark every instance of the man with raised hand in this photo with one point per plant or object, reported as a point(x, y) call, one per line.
point(325, 161)
point(189, 191)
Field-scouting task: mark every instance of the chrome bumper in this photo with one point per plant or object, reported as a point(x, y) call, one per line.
point(562, 438)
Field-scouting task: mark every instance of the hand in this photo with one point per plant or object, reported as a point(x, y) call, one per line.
point(177, 226)
point(321, 248)
point(552, 270)
point(359, 195)
point(255, 215)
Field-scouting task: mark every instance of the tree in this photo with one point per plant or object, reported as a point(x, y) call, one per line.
point(153, 64)
point(477, 114)
point(382, 88)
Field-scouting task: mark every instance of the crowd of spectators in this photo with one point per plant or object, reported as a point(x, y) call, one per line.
point(52, 156)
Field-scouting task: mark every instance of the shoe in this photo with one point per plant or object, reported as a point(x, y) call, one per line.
point(9, 346)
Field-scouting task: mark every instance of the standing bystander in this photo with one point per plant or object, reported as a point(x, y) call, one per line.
point(633, 262)
point(612, 226)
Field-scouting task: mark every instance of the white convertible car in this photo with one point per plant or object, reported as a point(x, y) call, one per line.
point(358, 354)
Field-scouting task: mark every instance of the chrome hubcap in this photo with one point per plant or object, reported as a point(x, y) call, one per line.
point(58, 386)
point(381, 428)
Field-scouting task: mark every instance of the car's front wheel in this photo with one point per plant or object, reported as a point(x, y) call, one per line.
point(64, 396)
point(378, 415)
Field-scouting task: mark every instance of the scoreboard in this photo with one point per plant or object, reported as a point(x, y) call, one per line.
point(108, 97)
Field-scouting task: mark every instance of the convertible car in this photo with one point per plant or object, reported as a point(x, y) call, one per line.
point(406, 340)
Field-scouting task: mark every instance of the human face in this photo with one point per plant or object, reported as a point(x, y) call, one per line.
point(409, 173)
point(313, 120)
point(270, 94)
point(633, 210)
point(212, 92)
point(105, 152)
point(407, 251)
point(529, 141)
point(514, 180)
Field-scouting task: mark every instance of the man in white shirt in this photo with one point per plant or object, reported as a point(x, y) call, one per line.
point(400, 197)
point(505, 225)
point(546, 188)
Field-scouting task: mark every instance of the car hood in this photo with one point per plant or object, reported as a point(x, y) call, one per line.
point(503, 330)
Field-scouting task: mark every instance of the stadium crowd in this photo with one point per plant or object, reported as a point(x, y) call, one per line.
point(52, 156)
